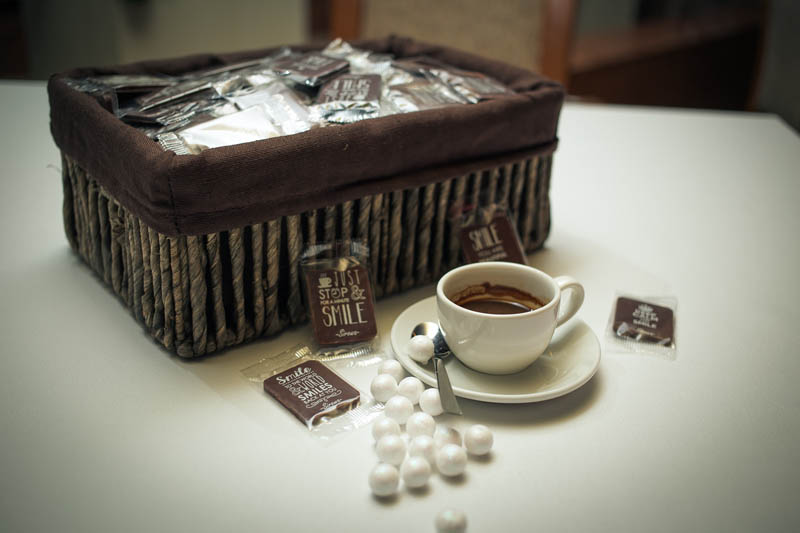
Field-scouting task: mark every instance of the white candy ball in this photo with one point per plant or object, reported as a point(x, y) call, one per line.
point(420, 424)
point(383, 387)
point(411, 388)
point(430, 402)
point(451, 521)
point(391, 449)
point(451, 460)
point(420, 348)
point(423, 446)
point(393, 368)
point(385, 426)
point(415, 472)
point(446, 435)
point(478, 439)
point(384, 479)
point(398, 408)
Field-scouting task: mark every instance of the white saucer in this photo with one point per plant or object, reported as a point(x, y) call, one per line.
point(570, 361)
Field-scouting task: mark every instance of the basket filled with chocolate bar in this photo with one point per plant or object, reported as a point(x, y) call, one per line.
point(193, 185)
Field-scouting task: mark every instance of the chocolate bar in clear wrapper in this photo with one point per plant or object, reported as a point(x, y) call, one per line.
point(311, 69)
point(205, 87)
point(251, 124)
point(351, 87)
point(339, 296)
point(173, 93)
point(311, 391)
point(183, 114)
point(644, 322)
point(162, 115)
point(349, 98)
point(471, 86)
point(285, 107)
point(133, 83)
point(419, 95)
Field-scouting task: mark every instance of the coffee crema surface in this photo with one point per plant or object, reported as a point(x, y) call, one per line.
point(496, 299)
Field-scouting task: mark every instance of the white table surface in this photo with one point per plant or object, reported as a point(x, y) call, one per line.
point(103, 431)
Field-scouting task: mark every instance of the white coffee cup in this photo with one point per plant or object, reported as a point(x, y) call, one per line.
point(496, 343)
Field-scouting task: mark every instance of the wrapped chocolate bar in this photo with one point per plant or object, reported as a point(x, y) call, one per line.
point(418, 96)
point(173, 93)
point(194, 87)
point(313, 391)
point(349, 98)
point(251, 124)
point(104, 95)
point(188, 114)
point(170, 142)
point(258, 77)
point(339, 297)
point(487, 233)
point(471, 86)
point(160, 116)
point(311, 69)
point(361, 61)
point(423, 92)
point(284, 106)
point(643, 325)
point(112, 88)
point(133, 83)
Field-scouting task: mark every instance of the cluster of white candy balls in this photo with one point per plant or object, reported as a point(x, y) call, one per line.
point(425, 445)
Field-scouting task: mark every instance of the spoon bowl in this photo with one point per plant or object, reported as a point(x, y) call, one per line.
point(440, 352)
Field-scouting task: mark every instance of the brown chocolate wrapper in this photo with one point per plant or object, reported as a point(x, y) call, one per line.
point(310, 390)
point(495, 241)
point(644, 322)
point(487, 233)
point(341, 305)
point(348, 98)
point(173, 93)
point(351, 88)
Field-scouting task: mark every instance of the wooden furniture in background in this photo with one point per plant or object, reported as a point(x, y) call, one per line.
point(334, 18)
point(687, 55)
point(707, 61)
point(557, 36)
point(13, 60)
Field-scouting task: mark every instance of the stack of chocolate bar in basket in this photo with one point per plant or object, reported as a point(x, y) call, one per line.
point(284, 93)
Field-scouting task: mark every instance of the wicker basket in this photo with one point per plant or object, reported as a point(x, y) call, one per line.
point(199, 294)
point(199, 282)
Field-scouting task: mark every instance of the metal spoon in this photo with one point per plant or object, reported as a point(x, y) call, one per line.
point(440, 351)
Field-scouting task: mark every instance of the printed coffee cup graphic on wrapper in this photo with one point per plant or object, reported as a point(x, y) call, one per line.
point(341, 305)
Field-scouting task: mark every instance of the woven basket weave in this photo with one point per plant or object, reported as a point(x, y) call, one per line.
point(199, 294)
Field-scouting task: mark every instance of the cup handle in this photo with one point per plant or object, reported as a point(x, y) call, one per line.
point(575, 300)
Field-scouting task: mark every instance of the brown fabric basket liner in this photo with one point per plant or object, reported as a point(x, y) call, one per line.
point(234, 186)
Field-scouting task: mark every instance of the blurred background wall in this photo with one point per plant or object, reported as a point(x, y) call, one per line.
point(60, 34)
point(719, 54)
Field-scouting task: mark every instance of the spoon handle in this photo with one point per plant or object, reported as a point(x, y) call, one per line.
point(449, 402)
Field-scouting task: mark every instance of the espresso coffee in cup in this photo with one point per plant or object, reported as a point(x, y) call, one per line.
point(499, 317)
point(496, 299)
